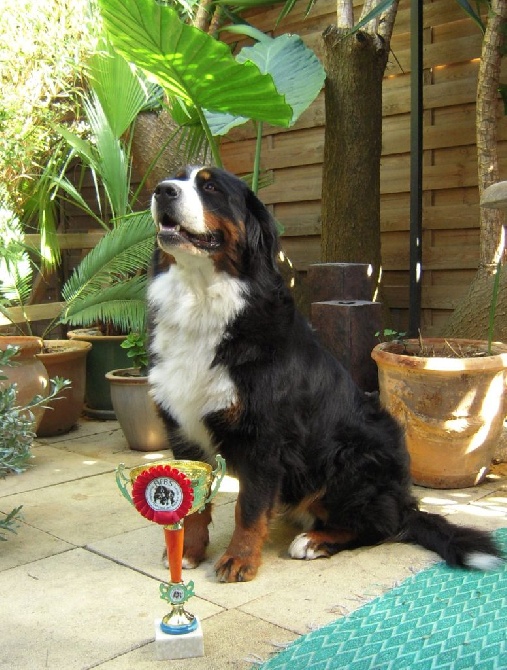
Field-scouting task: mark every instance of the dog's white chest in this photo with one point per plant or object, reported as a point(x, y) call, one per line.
point(191, 315)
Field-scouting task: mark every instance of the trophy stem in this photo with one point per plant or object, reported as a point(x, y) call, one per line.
point(174, 544)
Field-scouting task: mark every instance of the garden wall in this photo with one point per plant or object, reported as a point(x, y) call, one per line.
point(452, 47)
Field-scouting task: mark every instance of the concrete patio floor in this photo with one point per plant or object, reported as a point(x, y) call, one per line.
point(80, 579)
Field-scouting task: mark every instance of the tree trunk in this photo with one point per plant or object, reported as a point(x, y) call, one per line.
point(492, 220)
point(353, 139)
point(470, 318)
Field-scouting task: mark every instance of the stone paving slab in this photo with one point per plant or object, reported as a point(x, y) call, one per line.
point(483, 506)
point(488, 513)
point(78, 511)
point(50, 466)
point(85, 427)
point(108, 444)
point(317, 592)
point(141, 549)
point(75, 610)
point(81, 577)
point(29, 544)
point(233, 640)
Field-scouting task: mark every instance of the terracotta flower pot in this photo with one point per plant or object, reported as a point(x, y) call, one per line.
point(28, 373)
point(452, 408)
point(67, 359)
point(135, 410)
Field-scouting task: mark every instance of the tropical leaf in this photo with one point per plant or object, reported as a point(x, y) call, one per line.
point(123, 252)
point(76, 198)
point(372, 14)
point(123, 305)
point(110, 162)
point(475, 16)
point(296, 71)
point(79, 145)
point(189, 63)
point(122, 93)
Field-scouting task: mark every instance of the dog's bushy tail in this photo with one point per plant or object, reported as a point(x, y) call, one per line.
point(457, 545)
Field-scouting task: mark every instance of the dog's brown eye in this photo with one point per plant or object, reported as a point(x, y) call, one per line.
point(210, 186)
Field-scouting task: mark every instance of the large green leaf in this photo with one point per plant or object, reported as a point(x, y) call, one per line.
point(296, 71)
point(191, 64)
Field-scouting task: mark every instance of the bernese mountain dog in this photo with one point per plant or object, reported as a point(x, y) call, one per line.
point(236, 369)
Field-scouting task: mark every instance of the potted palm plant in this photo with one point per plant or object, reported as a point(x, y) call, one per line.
point(135, 410)
point(104, 296)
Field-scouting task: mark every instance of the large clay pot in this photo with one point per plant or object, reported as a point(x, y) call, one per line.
point(452, 408)
point(105, 354)
point(135, 410)
point(67, 359)
point(28, 373)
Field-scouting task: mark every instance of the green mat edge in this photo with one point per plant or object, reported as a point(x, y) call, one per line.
point(286, 658)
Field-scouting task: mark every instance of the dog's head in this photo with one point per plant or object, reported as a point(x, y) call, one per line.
point(206, 212)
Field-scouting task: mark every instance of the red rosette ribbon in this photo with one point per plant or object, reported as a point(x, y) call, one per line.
point(163, 494)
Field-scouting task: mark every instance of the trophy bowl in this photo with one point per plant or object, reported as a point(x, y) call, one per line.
point(201, 475)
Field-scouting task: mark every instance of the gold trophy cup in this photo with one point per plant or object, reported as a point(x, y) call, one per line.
point(165, 492)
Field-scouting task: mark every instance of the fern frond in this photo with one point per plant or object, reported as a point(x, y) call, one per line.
point(109, 285)
point(121, 305)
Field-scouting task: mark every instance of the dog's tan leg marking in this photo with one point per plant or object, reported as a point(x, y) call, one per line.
point(195, 540)
point(319, 543)
point(196, 537)
point(242, 557)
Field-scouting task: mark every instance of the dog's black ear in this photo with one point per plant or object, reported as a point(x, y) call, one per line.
point(261, 233)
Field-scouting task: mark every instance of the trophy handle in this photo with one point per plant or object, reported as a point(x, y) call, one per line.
point(122, 481)
point(218, 474)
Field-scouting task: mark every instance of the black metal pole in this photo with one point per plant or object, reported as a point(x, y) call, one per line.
point(416, 149)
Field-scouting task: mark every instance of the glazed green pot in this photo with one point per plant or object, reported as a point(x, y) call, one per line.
point(105, 354)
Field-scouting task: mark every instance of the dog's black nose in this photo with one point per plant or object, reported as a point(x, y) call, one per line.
point(166, 190)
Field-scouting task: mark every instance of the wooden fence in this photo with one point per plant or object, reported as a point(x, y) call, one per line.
point(452, 47)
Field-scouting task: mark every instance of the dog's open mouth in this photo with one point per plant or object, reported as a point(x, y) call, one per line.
point(172, 233)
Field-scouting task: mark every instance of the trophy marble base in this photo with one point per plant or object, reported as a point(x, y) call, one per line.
point(169, 647)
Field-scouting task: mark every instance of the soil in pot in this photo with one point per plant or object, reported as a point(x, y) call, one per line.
point(450, 405)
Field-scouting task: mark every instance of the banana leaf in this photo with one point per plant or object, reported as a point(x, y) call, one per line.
point(189, 63)
point(296, 71)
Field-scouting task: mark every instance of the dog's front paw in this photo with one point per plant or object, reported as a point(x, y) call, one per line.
point(304, 547)
point(234, 569)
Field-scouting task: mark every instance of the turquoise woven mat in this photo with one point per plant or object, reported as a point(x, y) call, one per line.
point(439, 619)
